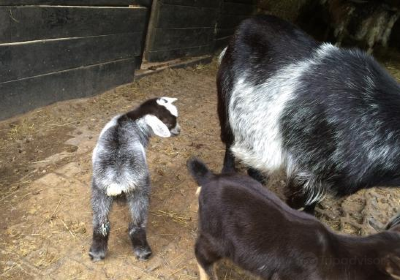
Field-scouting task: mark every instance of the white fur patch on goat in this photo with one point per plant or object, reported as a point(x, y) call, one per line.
point(159, 128)
point(221, 55)
point(117, 179)
point(324, 50)
point(110, 124)
point(255, 112)
point(167, 103)
point(198, 191)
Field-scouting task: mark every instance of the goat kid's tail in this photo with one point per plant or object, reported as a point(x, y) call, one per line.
point(199, 171)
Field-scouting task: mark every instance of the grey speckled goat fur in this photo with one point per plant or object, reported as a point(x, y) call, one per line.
point(120, 170)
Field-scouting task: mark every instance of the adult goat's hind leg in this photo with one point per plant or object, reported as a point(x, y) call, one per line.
point(257, 175)
point(138, 206)
point(101, 205)
point(298, 197)
point(226, 133)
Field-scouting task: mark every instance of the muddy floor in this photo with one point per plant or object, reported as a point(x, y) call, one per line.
point(45, 169)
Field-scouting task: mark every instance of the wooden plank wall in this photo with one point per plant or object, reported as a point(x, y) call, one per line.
point(50, 53)
point(181, 28)
point(231, 14)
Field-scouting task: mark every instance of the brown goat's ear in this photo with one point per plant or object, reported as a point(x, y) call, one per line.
point(392, 266)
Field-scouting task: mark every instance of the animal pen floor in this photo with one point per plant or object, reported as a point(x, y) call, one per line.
point(45, 170)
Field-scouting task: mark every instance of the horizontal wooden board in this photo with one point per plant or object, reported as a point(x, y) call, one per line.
point(42, 57)
point(221, 43)
point(195, 3)
point(28, 23)
point(252, 2)
point(157, 56)
point(23, 95)
point(68, 2)
point(170, 16)
point(224, 32)
point(230, 21)
point(170, 39)
point(237, 9)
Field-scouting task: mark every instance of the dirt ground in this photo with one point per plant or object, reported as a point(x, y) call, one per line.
point(45, 169)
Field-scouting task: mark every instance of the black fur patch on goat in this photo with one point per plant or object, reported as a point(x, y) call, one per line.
point(328, 116)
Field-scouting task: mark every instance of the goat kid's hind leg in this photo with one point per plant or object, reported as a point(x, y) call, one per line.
point(206, 257)
point(138, 207)
point(101, 205)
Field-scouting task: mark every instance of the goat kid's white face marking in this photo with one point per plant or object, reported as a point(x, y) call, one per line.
point(158, 127)
point(167, 103)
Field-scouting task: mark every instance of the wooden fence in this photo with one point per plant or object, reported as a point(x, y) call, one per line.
point(232, 12)
point(181, 28)
point(54, 50)
point(50, 52)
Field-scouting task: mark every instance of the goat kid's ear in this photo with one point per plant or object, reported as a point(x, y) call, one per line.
point(167, 103)
point(158, 127)
point(392, 266)
point(166, 99)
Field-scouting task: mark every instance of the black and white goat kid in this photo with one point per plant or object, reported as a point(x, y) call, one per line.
point(328, 116)
point(120, 168)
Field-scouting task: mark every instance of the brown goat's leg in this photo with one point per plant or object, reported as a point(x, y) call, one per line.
point(202, 273)
point(206, 257)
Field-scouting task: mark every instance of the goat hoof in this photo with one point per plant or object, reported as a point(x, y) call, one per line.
point(97, 254)
point(142, 254)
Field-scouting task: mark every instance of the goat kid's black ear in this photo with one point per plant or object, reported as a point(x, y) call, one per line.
point(392, 266)
point(198, 170)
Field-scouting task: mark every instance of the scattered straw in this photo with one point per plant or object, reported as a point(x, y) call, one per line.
point(172, 215)
point(65, 225)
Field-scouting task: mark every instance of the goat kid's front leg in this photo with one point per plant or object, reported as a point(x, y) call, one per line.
point(206, 258)
point(101, 205)
point(138, 207)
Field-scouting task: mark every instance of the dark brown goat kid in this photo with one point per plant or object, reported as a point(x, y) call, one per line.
point(241, 220)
